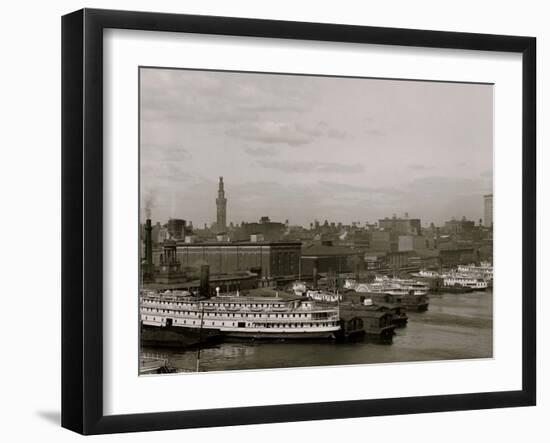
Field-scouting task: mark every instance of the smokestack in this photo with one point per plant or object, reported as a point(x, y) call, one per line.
point(204, 287)
point(315, 274)
point(149, 246)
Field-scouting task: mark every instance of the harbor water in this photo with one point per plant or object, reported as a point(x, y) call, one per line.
point(456, 326)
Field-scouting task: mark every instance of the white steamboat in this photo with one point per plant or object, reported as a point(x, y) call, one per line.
point(240, 316)
point(465, 281)
point(401, 284)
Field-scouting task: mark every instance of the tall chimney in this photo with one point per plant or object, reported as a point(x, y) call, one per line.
point(315, 274)
point(204, 287)
point(149, 246)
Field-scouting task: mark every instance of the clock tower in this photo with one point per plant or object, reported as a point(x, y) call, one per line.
point(221, 206)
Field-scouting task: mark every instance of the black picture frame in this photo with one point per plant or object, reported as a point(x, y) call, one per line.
point(82, 219)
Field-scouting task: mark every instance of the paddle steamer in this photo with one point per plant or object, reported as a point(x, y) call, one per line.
point(234, 315)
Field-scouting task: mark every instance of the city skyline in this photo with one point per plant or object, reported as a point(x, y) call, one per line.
point(303, 148)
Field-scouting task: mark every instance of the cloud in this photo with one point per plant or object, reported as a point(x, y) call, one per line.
point(266, 108)
point(308, 167)
point(163, 166)
point(289, 133)
point(260, 152)
point(334, 133)
point(419, 167)
point(167, 152)
point(439, 185)
point(273, 132)
point(375, 132)
point(212, 97)
point(313, 135)
point(163, 175)
point(339, 168)
point(348, 188)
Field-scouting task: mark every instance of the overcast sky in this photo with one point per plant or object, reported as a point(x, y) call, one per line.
point(304, 148)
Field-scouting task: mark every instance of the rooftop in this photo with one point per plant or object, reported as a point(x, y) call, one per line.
point(328, 251)
point(238, 243)
point(427, 253)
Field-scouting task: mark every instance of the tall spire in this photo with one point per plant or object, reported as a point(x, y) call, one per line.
point(221, 206)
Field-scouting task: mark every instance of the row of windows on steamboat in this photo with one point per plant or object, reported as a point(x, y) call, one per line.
point(241, 315)
point(223, 304)
point(255, 325)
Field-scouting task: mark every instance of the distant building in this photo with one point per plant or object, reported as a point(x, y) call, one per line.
point(268, 259)
point(456, 253)
point(428, 258)
point(271, 231)
point(328, 258)
point(176, 228)
point(255, 238)
point(160, 233)
point(191, 238)
point(460, 226)
point(401, 261)
point(401, 225)
point(221, 208)
point(169, 268)
point(488, 210)
point(298, 233)
point(226, 282)
point(374, 260)
point(380, 241)
point(485, 251)
point(413, 243)
point(405, 243)
point(222, 237)
point(398, 260)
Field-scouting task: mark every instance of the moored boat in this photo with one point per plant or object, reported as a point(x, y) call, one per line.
point(465, 281)
point(234, 315)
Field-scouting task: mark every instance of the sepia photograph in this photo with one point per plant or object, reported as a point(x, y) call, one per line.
point(294, 220)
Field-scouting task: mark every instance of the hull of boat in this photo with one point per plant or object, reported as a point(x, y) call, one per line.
point(457, 289)
point(418, 307)
point(280, 335)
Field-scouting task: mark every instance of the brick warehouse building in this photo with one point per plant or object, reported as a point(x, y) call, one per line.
point(271, 260)
point(327, 258)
